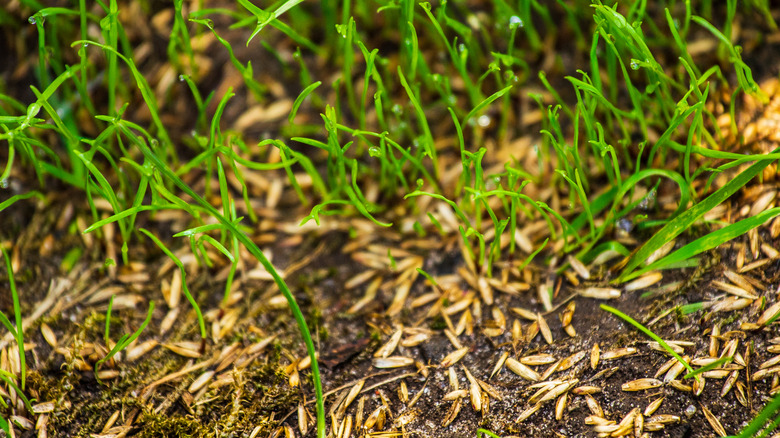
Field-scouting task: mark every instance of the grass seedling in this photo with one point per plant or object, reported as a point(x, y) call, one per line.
point(125, 339)
point(18, 330)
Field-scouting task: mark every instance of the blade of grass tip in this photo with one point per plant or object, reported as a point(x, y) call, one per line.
point(682, 222)
point(260, 256)
point(18, 317)
point(751, 430)
point(299, 100)
point(711, 240)
point(13, 199)
point(649, 333)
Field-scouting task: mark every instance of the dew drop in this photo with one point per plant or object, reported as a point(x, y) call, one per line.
point(397, 109)
point(483, 121)
point(515, 22)
point(32, 19)
point(181, 78)
point(461, 47)
point(634, 64)
point(375, 151)
point(4, 183)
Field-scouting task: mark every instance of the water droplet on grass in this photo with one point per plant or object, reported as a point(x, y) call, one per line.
point(484, 121)
point(397, 109)
point(634, 64)
point(515, 22)
point(32, 19)
point(182, 77)
point(375, 151)
point(4, 183)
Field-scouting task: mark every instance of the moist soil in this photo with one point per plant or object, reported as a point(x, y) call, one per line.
point(247, 377)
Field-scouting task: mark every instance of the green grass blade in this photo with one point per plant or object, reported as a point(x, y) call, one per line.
point(682, 222)
point(652, 335)
point(711, 240)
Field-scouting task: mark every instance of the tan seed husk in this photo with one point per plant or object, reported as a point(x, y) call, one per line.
point(455, 395)
point(140, 349)
point(644, 281)
point(641, 384)
point(537, 359)
point(618, 353)
point(531, 331)
point(731, 303)
point(594, 406)
point(663, 419)
point(522, 370)
point(665, 367)
point(594, 356)
point(592, 420)
point(714, 422)
point(500, 363)
point(560, 406)
point(568, 314)
point(489, 390)
point(43, 408)
point(389, 347)
point(572, 360)
point(454, 357)
point(675, 370)
point(653, 406)
point(544, 328)
point(528, 412)
point(48, 335)
point(201, 381)
point(734, 290)
point(698, 386)
point(586, 389)
point(579, 267)
point(570, 331)
point(714, 343)
point(451, 414)
point(524, 313)
point(393, 362)
point(680, 386)
point(639, 424)
point(600, 293)
point(729, 383)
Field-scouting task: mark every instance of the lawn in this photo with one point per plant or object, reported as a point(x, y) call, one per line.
point(389, 218)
